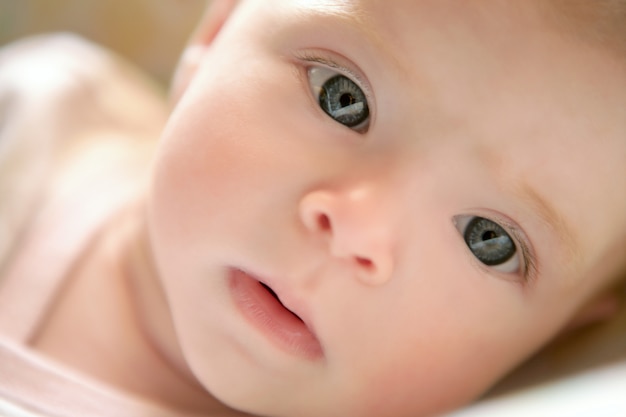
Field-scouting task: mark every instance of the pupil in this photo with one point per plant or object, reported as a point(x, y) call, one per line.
point(346, 100)
point(488, 241)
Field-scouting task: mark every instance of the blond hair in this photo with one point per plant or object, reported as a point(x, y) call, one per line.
point(602, 22)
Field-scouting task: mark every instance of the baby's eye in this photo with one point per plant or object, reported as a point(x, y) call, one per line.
point(489, 243)
point(340, 97)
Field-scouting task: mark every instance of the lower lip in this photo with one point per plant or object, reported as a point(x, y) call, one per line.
point(267, 314)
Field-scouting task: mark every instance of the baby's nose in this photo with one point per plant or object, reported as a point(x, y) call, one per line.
point(355, 229)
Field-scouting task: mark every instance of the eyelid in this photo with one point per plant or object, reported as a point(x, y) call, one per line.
point(342, 65)
point(521, 241)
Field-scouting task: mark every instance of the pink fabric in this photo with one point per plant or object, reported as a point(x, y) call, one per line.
point(35, 384)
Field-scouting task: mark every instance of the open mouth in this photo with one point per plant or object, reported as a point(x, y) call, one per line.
point(273, 294)
point(263, 308)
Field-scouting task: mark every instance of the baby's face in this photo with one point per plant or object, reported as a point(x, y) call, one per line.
point(433, 188)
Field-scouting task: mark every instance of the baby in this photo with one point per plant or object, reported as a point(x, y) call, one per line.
point(356, 208)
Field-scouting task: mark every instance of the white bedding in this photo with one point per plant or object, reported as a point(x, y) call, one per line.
point(597, 393)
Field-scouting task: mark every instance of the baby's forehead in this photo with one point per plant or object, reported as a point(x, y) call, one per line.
point(502, 54)
point(407, 17)
point(402, 32)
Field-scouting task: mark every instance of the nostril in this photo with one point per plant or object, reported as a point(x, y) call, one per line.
point(364, 262)
point(323, 222)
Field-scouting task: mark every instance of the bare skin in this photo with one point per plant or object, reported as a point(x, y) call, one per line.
point(363, 234)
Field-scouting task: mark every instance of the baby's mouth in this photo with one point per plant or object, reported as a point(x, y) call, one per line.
point(264, 309)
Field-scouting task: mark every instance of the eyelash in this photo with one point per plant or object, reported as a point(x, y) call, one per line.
point(324, 59)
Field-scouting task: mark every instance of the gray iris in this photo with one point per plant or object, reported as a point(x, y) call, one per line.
point(344, 101)
point(488, 241)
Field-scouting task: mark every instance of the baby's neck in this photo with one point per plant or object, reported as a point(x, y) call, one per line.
point(112, 323)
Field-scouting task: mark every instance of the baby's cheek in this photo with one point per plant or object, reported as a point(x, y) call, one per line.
point(445, 375)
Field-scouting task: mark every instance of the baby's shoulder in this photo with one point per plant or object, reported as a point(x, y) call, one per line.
point(68, 110)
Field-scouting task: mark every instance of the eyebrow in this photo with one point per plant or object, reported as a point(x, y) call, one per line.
point(358, 19)
point(550, 217)
point(345, 12)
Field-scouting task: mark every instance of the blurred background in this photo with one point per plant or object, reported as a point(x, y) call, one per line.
point(149, 33)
